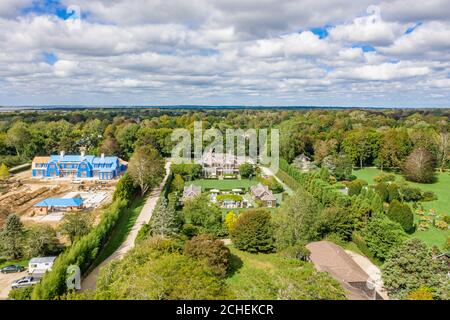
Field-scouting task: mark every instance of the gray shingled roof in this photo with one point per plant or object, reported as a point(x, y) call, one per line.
point(42, 260)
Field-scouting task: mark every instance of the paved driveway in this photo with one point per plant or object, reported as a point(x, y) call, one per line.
point(144, 217)
point(6, 280)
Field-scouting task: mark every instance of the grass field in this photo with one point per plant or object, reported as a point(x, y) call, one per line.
point(121, 230)
point(432, 236)
point(226, 184)
point(267, 276)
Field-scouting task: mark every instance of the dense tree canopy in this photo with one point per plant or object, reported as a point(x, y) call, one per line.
point(411, 266)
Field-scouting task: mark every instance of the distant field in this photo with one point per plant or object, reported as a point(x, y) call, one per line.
point(431, 236)
point(226, 184)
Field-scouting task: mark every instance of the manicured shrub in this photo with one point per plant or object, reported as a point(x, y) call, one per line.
point(298, 251)
point(393, 193)
point(125, 188)
point(253, 231)
point(230, 221)
point(384, 177)
point(20, 293)
point(441, 224)
point(382, 190)
point(410, 266)
point(187, 171)
point(423, 293)
point(382, 235)
point(207, 217)
point(358, 239)
point(401, 213)
point(298, 220)
point(247, 170)
point(429, 196)
point(410, 194)
point(355, 186)
point(189, 230)
point(207, 247)
point(338, 221)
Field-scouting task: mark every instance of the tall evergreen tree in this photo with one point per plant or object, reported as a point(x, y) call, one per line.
point(12, 236)
point(164, 220)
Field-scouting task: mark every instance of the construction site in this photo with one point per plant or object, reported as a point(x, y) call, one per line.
point(20, 193)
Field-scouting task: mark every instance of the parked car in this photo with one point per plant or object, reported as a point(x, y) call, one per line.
point(25, 282)
point(12, 269)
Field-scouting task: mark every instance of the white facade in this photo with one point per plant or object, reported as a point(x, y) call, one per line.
point(40, 264)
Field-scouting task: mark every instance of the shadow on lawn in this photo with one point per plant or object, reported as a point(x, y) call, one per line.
point(235, 264)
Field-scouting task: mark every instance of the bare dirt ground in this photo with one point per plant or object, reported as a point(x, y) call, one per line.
point(6, 280)
point(22, 192)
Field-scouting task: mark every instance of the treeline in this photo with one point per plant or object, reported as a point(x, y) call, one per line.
point(384, 138)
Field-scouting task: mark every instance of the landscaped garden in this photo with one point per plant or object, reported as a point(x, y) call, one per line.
point(225, 184)
point(430, 209)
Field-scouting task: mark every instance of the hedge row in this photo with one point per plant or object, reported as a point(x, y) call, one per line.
point(363, 206)
point(314, 184)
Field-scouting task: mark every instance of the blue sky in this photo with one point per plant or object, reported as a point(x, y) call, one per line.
point(225, 52)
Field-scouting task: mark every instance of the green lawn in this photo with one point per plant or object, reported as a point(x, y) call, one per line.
point(121, 230)
point(268, 276)
point(441, 188)
point(225, 184)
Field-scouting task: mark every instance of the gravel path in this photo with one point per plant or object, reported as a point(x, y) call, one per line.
point(144, 217)
point(6, 280)
point(268, 172)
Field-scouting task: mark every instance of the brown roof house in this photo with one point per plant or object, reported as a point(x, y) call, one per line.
point(190, 192)
point(262, 193)
point(331, 258)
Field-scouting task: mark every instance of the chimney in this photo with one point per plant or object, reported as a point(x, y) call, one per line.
point(103, 156)
point(83, 153)
point(62, 154)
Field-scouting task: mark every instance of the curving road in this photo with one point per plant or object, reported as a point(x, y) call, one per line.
point(90, 281)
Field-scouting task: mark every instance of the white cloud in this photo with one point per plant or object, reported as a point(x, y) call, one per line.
point(382, 72)
point(226, 51)
point(10, 8)
point(370, 29)
point(432, 38)
point(65, 68)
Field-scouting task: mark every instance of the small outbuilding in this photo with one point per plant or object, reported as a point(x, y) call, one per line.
point(58, 204)
point(262, 193)
point(40, 265)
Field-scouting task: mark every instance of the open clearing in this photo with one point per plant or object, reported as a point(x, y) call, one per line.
point(441, 188)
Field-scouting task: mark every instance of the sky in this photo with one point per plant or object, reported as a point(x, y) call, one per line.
point(390, 53)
